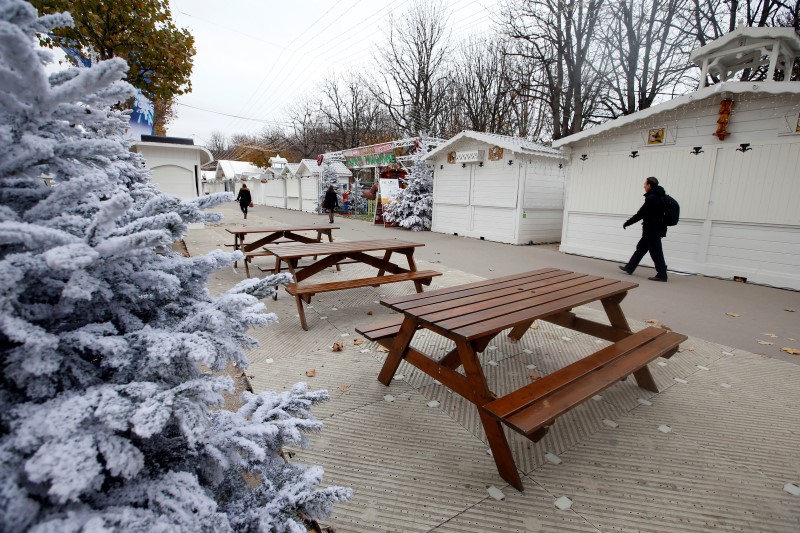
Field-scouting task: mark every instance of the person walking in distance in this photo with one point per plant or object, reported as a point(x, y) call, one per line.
point(331, 202)
point(654, 228)
point(244, 199)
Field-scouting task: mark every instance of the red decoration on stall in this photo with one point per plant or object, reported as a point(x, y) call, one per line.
point(320, 158)
point(725, 108)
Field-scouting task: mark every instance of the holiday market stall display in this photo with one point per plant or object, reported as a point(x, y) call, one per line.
point(111, 345)
point(728, 153)
point(497, 188)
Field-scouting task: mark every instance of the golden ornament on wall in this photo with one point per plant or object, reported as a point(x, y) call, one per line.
point(451, 157)
point(495, 153)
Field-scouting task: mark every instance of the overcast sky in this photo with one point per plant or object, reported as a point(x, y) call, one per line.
point(255, 57)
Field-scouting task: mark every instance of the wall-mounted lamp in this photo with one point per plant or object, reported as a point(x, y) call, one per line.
point(561, 165)
point(480, 163)
point(463, 165)
point(634, 154)
point(510, 162)
point(584, 157)
point(697, 150)
point(441, 167)
point(744, 147)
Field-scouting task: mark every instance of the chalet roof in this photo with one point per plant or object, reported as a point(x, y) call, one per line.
point(236, 169)
point(311, 166)
point(289, 170)
point(514, 144)
point(204, 154)
point(727, 89)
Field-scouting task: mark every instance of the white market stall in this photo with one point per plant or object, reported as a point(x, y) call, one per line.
point(174, 164)
point(729, 153)
point(497, 188)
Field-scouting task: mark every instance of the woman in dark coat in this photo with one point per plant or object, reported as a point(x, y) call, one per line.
point(331, 202)
point(244, 199)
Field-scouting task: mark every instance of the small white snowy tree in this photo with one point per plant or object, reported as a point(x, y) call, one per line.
point(329, 177)
point(412, 207)
point(357, 203)
point(108, 420)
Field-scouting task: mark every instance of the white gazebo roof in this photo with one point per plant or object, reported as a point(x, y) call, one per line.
point(748, 48)
point(513, 144)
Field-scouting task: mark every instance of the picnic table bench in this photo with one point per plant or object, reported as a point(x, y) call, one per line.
point(336, 253)
point(275, 234)
point(472, 315)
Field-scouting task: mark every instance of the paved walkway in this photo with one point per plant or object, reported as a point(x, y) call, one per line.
point(732, 414)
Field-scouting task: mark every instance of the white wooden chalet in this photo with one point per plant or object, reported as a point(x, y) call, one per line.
point(309, 175)
point(729, 153)
point(497, 188)
point(174, 164)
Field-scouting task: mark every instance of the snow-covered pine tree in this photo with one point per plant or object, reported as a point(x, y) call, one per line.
point(110, 416)
point(357, 204)
point(329, 177)
point(412, 208)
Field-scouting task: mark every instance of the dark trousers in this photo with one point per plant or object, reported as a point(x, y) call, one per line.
point(244, 207)
point(652, 244)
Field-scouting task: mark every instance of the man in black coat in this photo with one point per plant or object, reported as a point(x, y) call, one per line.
point(653, 230)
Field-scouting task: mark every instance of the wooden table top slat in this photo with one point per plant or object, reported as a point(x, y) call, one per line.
point(273, 229)
point(496, 296)
point(495, 307)
point(294, 251)
point(441, 295)
point(541, 311)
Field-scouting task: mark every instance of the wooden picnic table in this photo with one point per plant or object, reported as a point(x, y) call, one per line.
point(472, 315)
point(336, 253)
point(274, 233)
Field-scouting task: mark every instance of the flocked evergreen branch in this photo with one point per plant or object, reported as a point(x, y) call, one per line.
point(112, 415)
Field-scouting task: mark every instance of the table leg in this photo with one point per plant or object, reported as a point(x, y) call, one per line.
point(398, 351)
point(617, 318)
point(517, 332)
point(386, 256)
point(498, 443)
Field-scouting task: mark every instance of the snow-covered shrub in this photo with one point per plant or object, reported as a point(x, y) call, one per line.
point(412, 207)
point(110, 416)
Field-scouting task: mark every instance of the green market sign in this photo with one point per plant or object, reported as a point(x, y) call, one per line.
point(376, 155)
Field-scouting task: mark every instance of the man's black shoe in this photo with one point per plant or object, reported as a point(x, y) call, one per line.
point(625, 270)
point(657, 278)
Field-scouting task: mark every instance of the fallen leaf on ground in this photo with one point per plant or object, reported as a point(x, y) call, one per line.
point(533, 375)
point(770, 335)
point(344, 388)
point(369, 313)
point(665, 327)
point(791, 351)
point(734, 315)
point(358, 342)
point(535, 325)
point(337, 347)
point(383, 349)
point(766, 343)
point(651, 321)
point(311, 372)
point(790, 310)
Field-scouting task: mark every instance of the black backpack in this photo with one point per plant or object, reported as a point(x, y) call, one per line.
point(672, 211)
